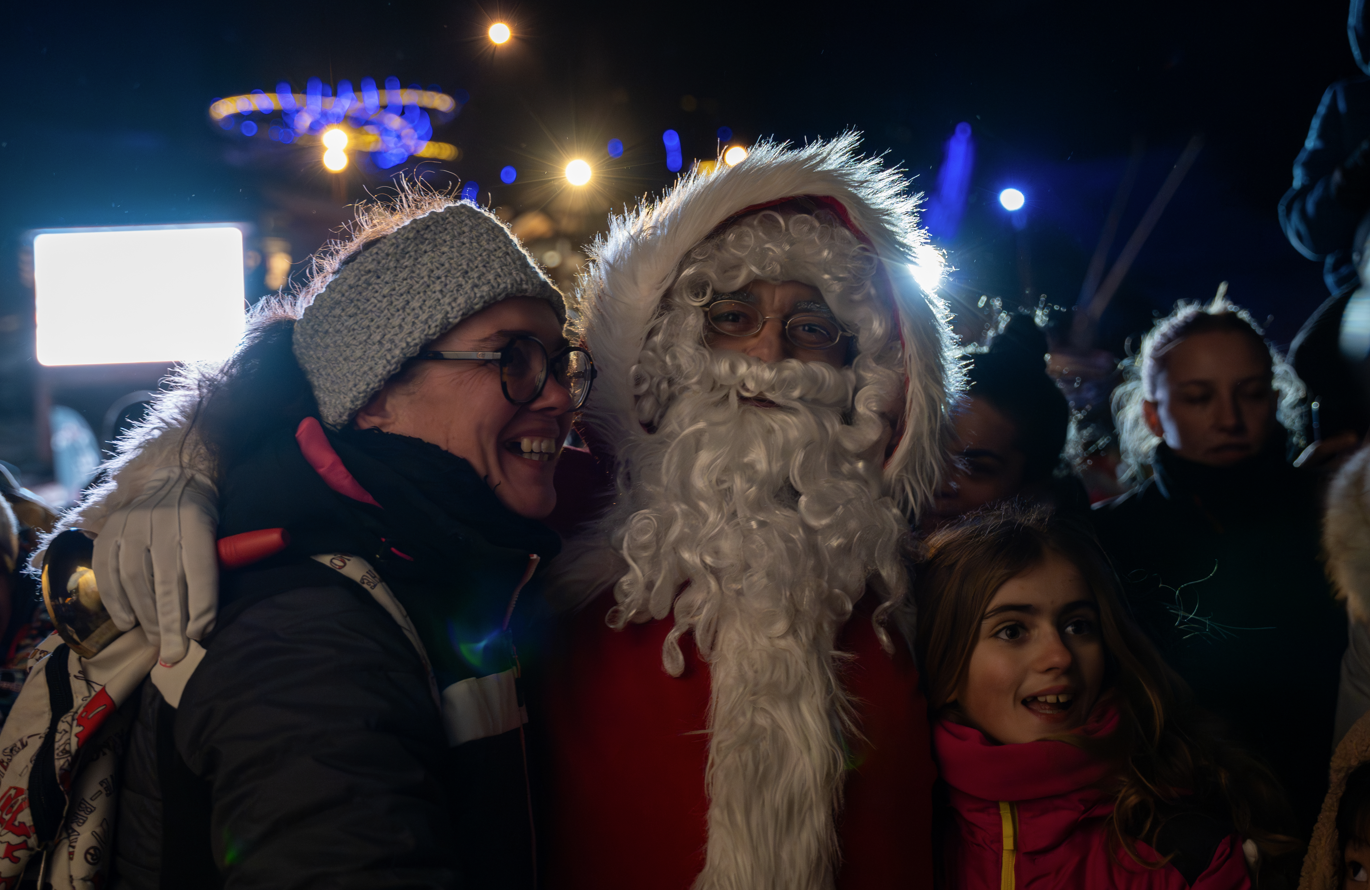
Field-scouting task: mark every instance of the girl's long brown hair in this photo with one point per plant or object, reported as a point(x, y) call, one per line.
point(1169, 752)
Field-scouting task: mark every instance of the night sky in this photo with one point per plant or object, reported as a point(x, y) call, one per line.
point(108, 122)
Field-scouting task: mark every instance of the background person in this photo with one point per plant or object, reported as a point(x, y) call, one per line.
point(1218, 549)
point(1331, 189)
point(1071, 751)
point(1011, 429)
point(1339, 854)
point(24, 518)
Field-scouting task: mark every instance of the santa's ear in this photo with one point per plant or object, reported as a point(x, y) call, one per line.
point(1152, 418)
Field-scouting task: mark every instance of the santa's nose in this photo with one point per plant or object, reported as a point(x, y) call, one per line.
point(769, 343)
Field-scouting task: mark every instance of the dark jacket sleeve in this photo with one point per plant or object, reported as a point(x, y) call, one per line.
point(312, 720)
point(1312, 219)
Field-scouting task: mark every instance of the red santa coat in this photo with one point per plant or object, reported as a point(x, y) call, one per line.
point(625, 750)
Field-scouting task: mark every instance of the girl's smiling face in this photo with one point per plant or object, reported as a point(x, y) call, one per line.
point(1038, 664)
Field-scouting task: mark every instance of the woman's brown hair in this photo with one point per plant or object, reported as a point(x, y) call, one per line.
point(1168, 752)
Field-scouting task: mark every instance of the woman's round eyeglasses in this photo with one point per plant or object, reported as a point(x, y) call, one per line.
point(524, 366)
point(807, 330)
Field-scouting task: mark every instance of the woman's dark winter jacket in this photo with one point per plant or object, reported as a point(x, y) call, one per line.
point(1221, 567)
point(308, 748)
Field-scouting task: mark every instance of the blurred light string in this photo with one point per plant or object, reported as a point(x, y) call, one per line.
point(393, 124)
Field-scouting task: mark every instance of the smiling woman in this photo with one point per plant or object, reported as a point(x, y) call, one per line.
point(397, 424)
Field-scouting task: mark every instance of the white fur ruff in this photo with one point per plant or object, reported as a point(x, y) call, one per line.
point(1346, 534)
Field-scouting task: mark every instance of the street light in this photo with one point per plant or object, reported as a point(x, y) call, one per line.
point(577, 172)
point(500, 33)
point(1012, 199)
point(734, 156)
point(335, 159)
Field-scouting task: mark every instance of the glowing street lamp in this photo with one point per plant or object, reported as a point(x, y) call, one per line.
point(500, 33)
point(734, 156)
point(578, 172)
point(335, 139)
point(335, 159)
point(1012, 199)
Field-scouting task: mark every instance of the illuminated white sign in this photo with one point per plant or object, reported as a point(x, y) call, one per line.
point(155, 294)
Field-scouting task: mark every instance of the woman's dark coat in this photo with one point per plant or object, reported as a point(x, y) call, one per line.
point(308, 749)
point(1221, 567)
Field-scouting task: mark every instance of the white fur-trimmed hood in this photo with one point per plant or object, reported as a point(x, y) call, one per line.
point(636, 263)
point(1346, 534)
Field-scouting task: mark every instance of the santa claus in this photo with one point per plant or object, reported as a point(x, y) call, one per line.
point(732, 704)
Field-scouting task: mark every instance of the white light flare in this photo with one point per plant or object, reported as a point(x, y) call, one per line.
point(927, 267)
point(578, 172)
point(1012, 199)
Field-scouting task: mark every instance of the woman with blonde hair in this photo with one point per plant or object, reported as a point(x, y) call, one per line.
point(1217, 546)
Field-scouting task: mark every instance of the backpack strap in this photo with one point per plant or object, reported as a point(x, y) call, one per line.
point(47, 801)
point(360, 571)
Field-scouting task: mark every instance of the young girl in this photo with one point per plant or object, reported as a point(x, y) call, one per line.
point(1072, 756)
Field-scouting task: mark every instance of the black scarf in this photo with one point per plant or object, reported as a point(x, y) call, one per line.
point(430, 495)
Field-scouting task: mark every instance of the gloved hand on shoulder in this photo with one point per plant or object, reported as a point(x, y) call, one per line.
point(156, 562)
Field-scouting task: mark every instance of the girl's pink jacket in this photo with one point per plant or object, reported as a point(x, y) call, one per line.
point(1034, 816)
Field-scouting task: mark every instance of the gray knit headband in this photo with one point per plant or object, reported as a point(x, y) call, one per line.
point(402, 292)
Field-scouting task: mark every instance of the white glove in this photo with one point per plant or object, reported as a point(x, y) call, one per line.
point(156, 561)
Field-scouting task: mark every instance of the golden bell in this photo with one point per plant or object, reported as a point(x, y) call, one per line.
point(72, 598)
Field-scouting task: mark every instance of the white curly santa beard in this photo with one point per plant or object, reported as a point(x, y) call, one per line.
point(759, 529)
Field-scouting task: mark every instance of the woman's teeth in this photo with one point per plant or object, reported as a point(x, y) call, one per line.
point(1063, 698)
point(537, 448)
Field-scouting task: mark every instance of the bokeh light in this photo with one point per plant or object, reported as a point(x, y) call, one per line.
point(470, 192)
point(500, 33)
point(725, 134)
point(1012, 199)
point(578, 172)
point(734, 155)
point(249, 128)
point(927, 267)
point(335, 159)
point(674, 158)
point(615, 148)
point(335, 138)
point(507, 175)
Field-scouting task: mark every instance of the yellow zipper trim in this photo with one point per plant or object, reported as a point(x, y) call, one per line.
point(1008, 813)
